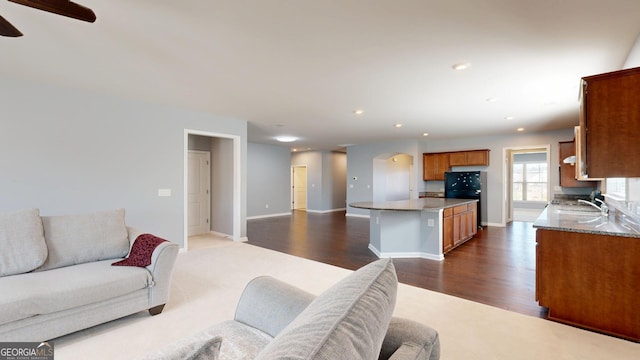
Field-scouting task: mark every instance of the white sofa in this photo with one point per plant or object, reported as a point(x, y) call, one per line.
point(56, 273)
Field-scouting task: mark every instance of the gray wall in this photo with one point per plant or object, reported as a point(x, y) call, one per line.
point(313, 161)
point(325, 179)
point(222, 185)
point(334, 187)
point(268, 180)
point(360, 174)
point(360, 160)
point(66, 151)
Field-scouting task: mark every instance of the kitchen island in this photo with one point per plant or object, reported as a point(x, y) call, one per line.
point(587, 268)
point(419, 228)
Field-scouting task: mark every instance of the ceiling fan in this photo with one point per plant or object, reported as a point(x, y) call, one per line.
point(60, 7)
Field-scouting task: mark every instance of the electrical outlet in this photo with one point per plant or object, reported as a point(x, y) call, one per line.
point(430, 223)
point(266, 206)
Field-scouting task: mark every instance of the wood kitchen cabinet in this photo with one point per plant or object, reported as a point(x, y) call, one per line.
point(434, 166)
point(447, 230)
point(610, 125)
point(590, 280)
point(567, 171)
point(459, 225)
point(469, 158)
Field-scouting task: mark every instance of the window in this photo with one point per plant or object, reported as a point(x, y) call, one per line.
point(617, 188)
point(530, 181)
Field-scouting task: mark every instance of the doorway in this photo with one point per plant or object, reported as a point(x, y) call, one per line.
point(198, 192)
point(299, 188)
point(393, 177)
point(527, 183)
point(225, 184)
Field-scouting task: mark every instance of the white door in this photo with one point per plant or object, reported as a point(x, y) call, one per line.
point(299, 187)
point(198, 188)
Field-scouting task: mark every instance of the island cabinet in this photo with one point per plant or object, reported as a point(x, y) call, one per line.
point(567, 171)
point(459, 224)
point(610, 124)
point(590, 280)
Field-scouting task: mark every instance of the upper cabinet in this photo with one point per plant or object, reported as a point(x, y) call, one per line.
point(469, 158)
point(610, 125)
point(566, 149)
point(436, 164)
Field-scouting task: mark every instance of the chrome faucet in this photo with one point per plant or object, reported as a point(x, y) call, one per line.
point(604, 209)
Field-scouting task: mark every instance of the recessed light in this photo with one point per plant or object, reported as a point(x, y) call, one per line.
point(425, 134)
point(509, 117)
point(358, 111)
point(397, 125)
point(286, 138)
point(520, 129)
point(491, 99)
point(461, 66)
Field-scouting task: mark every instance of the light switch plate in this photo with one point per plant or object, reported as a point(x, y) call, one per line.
point(164, 192)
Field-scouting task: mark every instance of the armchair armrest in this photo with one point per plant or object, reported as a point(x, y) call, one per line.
point(407, 339)
point(270, 305)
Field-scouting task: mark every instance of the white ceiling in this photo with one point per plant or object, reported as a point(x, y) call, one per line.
point(300, 67)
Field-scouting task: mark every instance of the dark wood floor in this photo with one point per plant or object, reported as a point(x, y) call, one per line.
point(497, 267)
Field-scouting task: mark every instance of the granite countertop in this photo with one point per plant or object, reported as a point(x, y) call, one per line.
point(585, 219)
point(428, 204)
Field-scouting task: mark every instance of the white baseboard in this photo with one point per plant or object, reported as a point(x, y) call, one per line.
point(358, 215)
point(406, 255)
point(325, 211)
point(267, 216)
point(219, 234)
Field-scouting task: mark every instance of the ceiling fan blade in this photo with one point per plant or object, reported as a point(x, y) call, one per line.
point(6, 29)
point(61, 7)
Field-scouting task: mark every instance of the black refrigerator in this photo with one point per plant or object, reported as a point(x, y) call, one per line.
point(467, 185)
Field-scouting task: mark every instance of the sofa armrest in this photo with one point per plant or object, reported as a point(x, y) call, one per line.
point(407, 339)
point(269, 305)
point(161, 268)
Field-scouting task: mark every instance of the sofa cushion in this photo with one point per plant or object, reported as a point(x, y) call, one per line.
point(77, 239)
point(21, 242)
point(68, 287)
point(347, 321)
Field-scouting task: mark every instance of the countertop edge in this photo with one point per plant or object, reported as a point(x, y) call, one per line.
point(423, 204)
point(568, 223)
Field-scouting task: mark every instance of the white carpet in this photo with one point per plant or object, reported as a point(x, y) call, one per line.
point(208, 281)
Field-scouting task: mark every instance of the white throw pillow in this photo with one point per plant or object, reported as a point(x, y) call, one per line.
point(22, 245)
